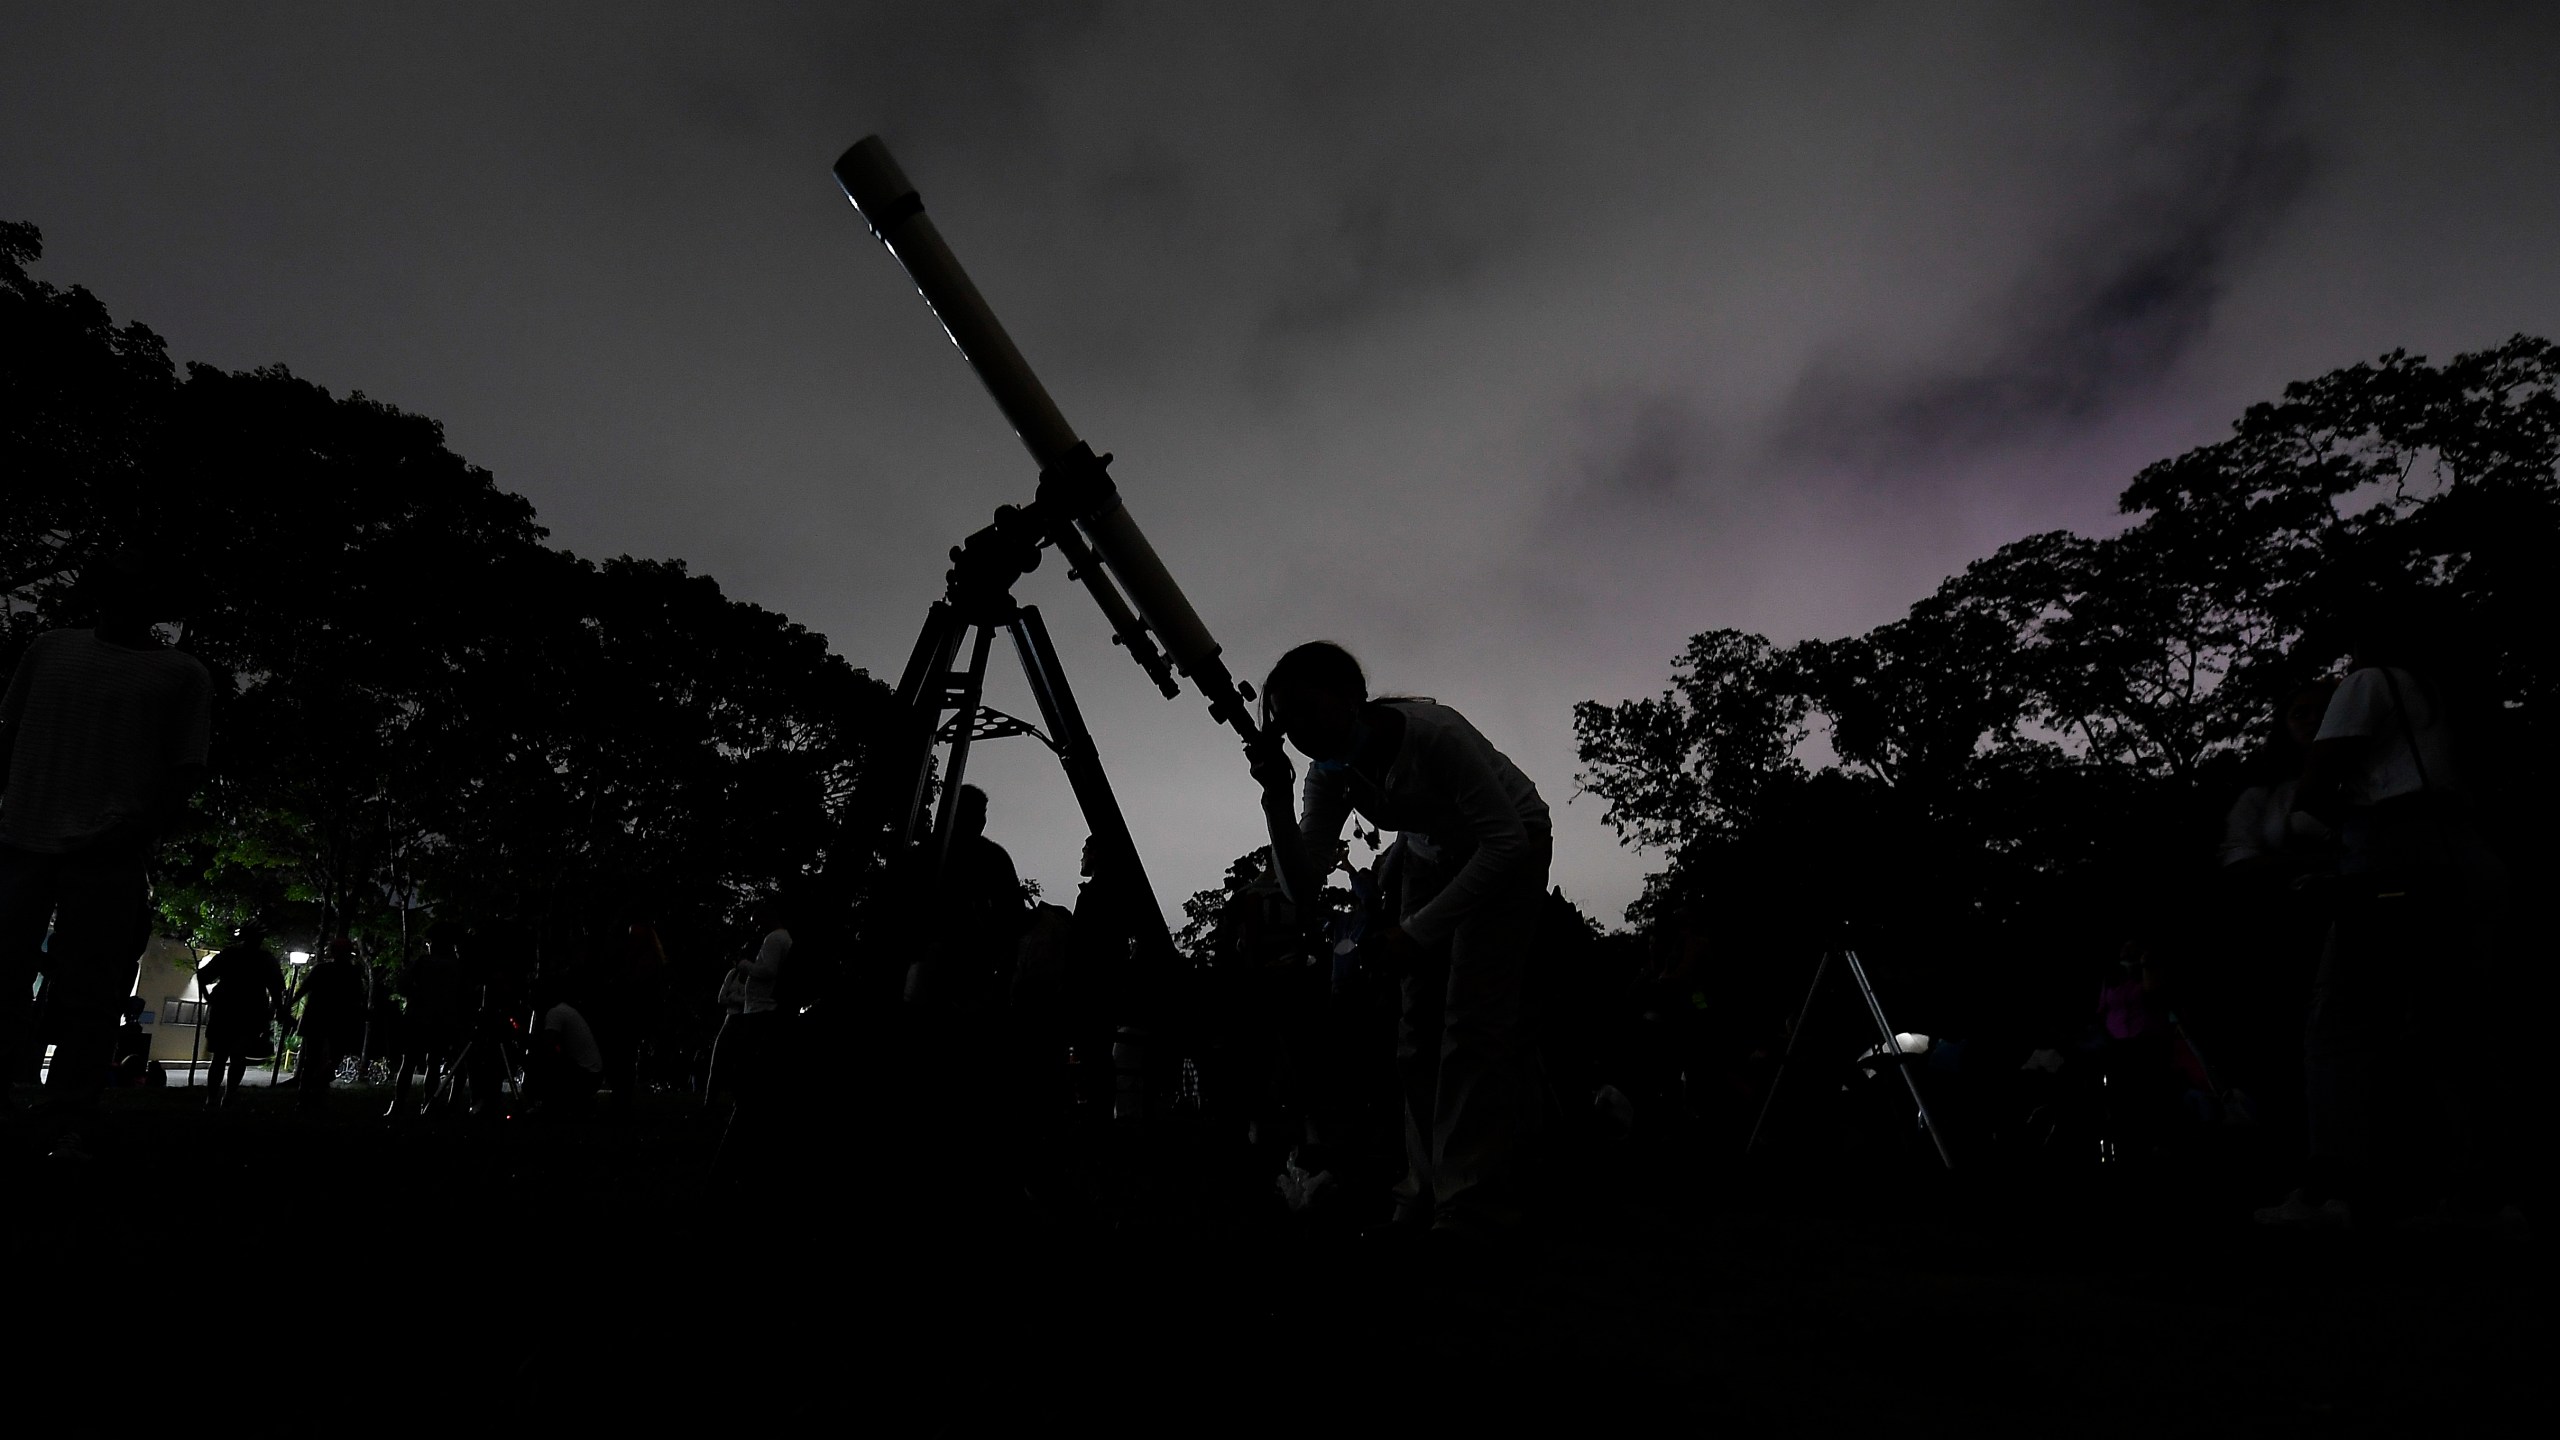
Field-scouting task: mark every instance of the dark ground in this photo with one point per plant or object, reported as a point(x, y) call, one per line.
point(333, 1268)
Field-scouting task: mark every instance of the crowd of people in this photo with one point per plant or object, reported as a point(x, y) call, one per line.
point(104, 733)
point(1406, 1037)
point(438, 1030)
point(2327, 999)
point(2313, 1009)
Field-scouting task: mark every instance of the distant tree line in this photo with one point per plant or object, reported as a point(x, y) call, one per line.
point(2046, 744)
point(423, 713)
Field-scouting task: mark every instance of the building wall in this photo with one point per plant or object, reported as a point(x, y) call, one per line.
point(168, 973)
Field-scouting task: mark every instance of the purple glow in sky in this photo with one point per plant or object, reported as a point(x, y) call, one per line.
point(1508, 345)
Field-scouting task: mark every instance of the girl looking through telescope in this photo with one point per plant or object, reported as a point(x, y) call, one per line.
point(1477, 841)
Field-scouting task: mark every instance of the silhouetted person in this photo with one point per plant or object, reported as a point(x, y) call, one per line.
point(2265, 833)
point(1042, 961)
point(627, 992)
point(754, 1059)
point(981, 911)
point(1695, 1032)
point(2272, 929)
point(2404, 962)
point(1477, 841)
point(750, 1057)
point(102, 739)
point(1117, 968)
point(495, 980)
point(434, 1024)
point(720, 1078)
point(333, 1006)
point(133, 1044)
point(386, 1028)
point(2137, 1049)
point(564, 1066)
point(243, 989)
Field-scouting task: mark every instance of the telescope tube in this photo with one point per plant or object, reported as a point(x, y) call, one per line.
point(890, 205)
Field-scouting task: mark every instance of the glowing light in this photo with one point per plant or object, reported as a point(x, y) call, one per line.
point(298, 957)
point(1905, 1043)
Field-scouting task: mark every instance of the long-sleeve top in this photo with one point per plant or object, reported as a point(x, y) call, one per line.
point(763, 971)
point(1456, 801)
point(2409, 745)
point(245, 988)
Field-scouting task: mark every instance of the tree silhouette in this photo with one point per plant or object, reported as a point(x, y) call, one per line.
point(2069, 712)
point(418, 702)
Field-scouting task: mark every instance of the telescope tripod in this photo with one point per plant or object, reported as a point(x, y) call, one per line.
point(1893, 1052)
point(1078, 512)
point(944, 700)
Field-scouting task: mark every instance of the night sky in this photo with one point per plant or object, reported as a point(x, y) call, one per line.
point(1507, 345)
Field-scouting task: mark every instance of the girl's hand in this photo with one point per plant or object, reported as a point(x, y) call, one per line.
point(1273, 771)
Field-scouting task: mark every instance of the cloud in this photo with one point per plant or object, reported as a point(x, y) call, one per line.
point(2097, 319)
point(1382, 249)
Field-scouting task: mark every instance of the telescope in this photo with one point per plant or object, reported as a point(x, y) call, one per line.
point(1077, 510)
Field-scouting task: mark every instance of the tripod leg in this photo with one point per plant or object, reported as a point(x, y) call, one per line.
point(972, 693)
point(924, 692)
point(1795, 1037)
point(1084, 764)
point(877, 803)
point(448, 1085)
point(1884, 1028)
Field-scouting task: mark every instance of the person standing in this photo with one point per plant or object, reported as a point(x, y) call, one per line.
point(433, 1026)
point(628, 994)
point(1477, 842)
point(2404, 970)
point(982, 912)
point(103, 733)
point(719, 1072)
point(386, 1029)
point(1107, 986)
point(243, 986)
point(2272, 860)
point(752, 1054)
point(333, 1006)
point(564, 1065)
point(2265, 834)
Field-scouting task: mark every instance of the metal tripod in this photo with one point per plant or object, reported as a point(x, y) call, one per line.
point(1077, 511)
point(943, 701)
point(486, 1029)
point(1900, 1059)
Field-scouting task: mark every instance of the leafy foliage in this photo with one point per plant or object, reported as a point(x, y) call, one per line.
point(418, 703)
point(2075, 707)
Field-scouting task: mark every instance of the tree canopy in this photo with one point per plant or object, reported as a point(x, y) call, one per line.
point(2064, 721)
point(418, 703)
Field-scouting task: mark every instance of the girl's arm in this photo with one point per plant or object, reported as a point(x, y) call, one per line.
point(1295, 842)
